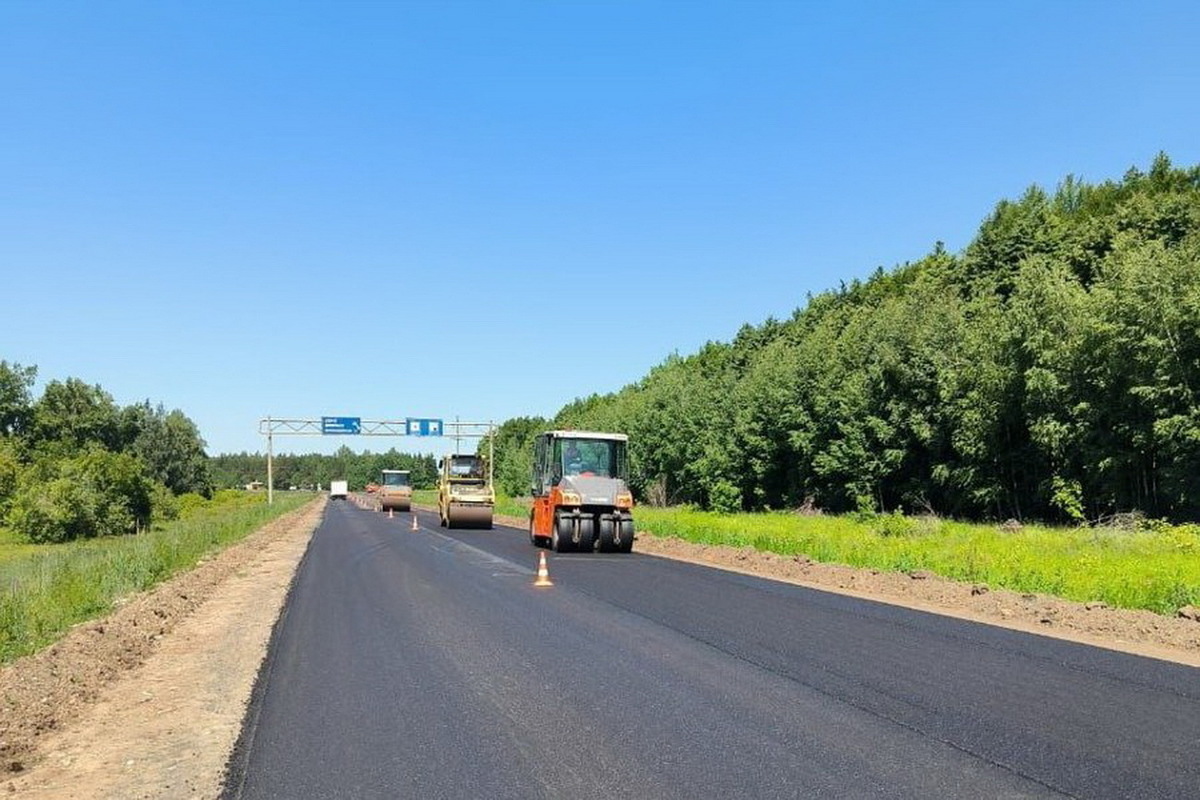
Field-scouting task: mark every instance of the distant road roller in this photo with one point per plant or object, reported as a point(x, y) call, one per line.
point(466, 497)
point(581, 497)
point(395, 491)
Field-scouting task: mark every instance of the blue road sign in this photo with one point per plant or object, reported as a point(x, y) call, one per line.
point(341, 424)
point(423, 427)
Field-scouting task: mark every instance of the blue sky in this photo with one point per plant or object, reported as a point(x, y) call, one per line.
point(487, 209)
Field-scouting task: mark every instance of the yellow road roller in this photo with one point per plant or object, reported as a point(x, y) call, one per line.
point(466, 497)
point(395, 491)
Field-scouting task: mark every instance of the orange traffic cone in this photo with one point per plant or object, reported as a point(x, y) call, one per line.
point(543, 574)
point(415, 526)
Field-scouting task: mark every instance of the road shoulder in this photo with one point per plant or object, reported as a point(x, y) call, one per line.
point(1142, 633)
point(148, 702)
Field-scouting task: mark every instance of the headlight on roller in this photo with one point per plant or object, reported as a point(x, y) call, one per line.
point(624, 500)
point(571, 499)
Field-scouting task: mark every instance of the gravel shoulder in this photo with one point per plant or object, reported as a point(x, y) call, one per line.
point(148, 702)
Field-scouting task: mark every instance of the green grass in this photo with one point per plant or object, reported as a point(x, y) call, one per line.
point(45, 589)
point(1158, 569)
point(513, 507)
point(13, 547)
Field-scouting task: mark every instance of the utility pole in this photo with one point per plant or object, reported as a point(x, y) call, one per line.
point(270, 465)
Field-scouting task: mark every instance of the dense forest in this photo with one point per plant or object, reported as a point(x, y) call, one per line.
point(1049, 371)
point(233, 470)
point(75, 465)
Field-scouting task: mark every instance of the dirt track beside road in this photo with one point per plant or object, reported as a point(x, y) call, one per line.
point(148, 701)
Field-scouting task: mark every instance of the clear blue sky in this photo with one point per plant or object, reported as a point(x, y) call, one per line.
point(487, 209)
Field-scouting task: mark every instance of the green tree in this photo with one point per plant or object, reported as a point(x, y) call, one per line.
point(1050, 370)
point(513, 453)
point(72, 413)
point(170, 446)
point(16, 404)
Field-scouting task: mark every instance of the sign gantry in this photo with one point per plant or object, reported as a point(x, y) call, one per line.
point(357, 426)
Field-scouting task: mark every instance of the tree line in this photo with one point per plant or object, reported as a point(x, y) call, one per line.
point(307, 471)
point(1050, 370)
point(75, 465)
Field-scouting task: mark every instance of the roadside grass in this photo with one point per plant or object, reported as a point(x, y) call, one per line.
point(13, 547)
point(1156, 569)
point(513, 507)
point(45, 589)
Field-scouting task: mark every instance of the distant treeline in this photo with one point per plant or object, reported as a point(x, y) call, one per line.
point(235, 470)
point(1050, 370)
point(75, 465)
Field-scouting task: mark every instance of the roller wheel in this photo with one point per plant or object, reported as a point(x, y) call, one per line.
point(587, 534)
point(625, 545)
point(559, 544)
point(605, 536)
point(560, 538)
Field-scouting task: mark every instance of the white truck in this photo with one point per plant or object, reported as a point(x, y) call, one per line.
point(338, 490)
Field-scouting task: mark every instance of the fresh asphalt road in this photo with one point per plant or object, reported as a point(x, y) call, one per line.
point(425, 665)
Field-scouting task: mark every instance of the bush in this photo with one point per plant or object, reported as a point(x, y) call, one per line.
point(864, 508)
point(51, 513)
point(894, 524)
point(164, 506)
point(725, 498)
point(190, 503)
point(1067, 497)
point(10, 473)
point(98, 493)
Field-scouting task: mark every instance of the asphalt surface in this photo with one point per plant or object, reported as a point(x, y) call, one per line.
point(425, 664)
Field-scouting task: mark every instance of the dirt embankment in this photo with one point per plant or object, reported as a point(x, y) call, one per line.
point(148, 701)
point(1140, 632)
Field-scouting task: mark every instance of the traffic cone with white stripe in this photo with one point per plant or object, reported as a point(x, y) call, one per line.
point(415, 526)
point(390, 513)
point(543, 574)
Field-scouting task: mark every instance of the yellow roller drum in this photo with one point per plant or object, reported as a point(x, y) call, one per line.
point(469, 516)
